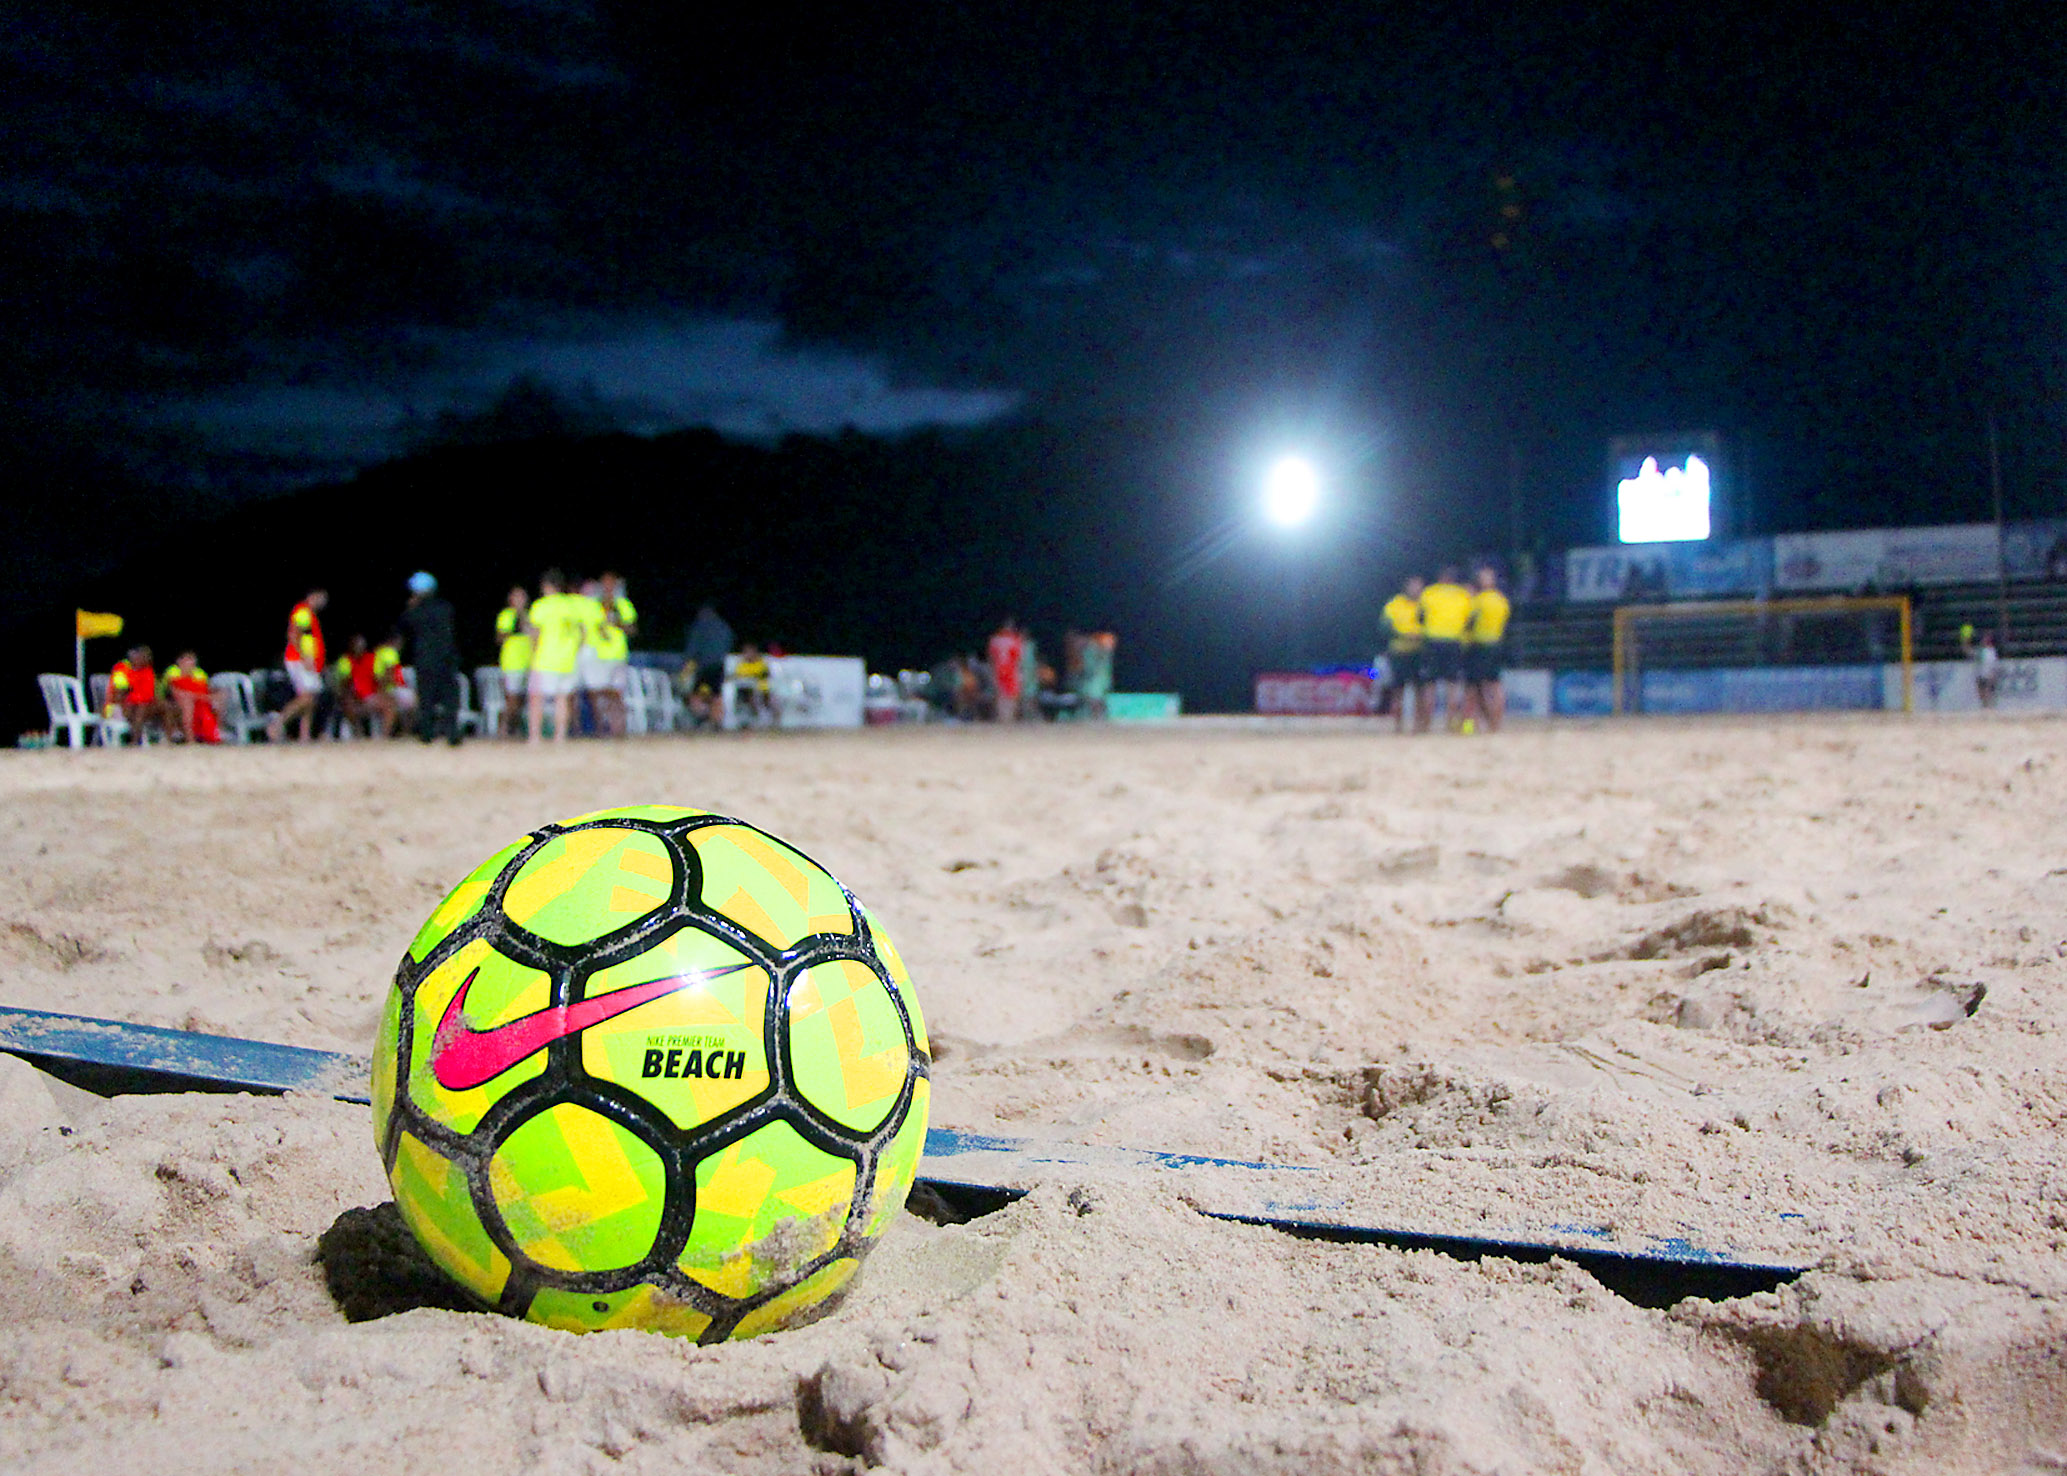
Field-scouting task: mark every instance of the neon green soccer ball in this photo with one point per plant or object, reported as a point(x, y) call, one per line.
point(651, 1068)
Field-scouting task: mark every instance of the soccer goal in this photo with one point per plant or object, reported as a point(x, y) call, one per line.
point(1764, 655)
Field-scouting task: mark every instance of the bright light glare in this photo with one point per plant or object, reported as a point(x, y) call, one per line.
point(1291, 492)
point(1668, 506)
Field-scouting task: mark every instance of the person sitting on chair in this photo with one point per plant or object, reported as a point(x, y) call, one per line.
point(188, 684)
point(133, 696)
point(750, 684)
point(361, 697)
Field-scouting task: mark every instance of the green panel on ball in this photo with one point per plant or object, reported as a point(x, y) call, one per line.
point(898, 1165)
point(644, 1307)
point(696, 1051)
point(431, 1192)
point(577, 1191)
point(653, 814)
point(805, 1302)
point(846, 1045)
point(498, 990)
point(463, 901)
point(766, 1206)
point(385, 1046)
point(901, 977)
point(767, 888)
point(577, 888)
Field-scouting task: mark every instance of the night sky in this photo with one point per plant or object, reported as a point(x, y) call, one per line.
point(1448, 251)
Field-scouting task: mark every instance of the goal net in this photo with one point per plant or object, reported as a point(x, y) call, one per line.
point(1764, 655)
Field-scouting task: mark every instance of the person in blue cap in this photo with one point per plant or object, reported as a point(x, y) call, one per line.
point(427, 626)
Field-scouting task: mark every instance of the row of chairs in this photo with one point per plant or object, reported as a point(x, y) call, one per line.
point(650, 703)
point(81, 714)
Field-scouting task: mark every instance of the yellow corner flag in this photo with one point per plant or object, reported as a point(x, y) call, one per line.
point(90, 625)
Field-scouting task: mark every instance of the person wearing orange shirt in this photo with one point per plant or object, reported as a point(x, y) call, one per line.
point(133, 696)
point(304, 660)
point(362, 689)
point(188, 685)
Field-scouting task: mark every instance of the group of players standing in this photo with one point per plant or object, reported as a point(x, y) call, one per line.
point(572, 640)
point(1447, 643)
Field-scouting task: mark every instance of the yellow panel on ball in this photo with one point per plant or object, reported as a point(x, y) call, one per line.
point(809, 1299)
point(693, 1044)
point(577, 1191)
point(766, 1207)
point(645, 1307)
point(846, 1045)
point(767, 888)
point(431, 1192)
point(587, 884)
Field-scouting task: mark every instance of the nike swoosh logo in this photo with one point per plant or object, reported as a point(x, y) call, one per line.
point(463, 1058)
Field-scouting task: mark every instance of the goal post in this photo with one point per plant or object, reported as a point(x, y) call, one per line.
point(1726, 638)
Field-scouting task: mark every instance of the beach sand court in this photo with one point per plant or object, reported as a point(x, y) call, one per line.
point(1795, 989)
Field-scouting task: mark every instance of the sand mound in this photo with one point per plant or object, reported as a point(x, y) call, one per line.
point(1786, 988)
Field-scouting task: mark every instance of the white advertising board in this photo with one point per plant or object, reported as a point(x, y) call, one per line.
point(2036, 684)
point(1528, 692)
point(1886, 558)
point(818, 691)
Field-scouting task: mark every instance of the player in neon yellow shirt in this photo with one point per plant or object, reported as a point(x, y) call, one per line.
point(1485, 651)
point(1403, 656)
point(513, 656)
point(558, 624)
point(606, 669)
point(1445, 615)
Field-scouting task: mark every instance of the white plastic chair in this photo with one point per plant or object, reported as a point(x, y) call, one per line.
point(468, 719)
point(236, 705)
point(663, 708)
point(112, 730)
point(488, 680)
point(67, 707)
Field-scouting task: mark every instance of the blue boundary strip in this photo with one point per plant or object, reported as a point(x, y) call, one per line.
point(115, 1058)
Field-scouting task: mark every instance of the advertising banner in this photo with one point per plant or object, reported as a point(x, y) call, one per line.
point(1582, 694)
point(2036, 550)
point(2034, 685)
point(1143, 707)
point(1728, 689)
point(1528, 693)
point(1315, 694)
point(1763, 689)
point(1636, 572)
point(1885, 558)
point(818, 691)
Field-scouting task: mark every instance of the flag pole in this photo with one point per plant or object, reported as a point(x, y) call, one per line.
point(79, 655)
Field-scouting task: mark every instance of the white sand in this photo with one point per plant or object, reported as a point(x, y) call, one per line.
point(1707, 980)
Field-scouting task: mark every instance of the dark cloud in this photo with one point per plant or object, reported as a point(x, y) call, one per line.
point(261, 241)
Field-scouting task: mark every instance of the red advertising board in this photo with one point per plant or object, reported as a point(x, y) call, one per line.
point(1306, 694)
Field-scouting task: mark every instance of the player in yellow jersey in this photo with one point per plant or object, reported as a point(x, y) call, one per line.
point(513, 656)
point(608, 674)
point(558, 624)
point(1485, 652)
point(1445, 615)
point(1403, 655)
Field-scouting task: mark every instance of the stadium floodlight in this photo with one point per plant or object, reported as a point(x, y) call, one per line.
point(1291, 491)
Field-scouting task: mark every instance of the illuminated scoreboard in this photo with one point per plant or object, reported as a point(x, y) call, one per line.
point(1667, 489)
